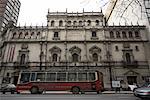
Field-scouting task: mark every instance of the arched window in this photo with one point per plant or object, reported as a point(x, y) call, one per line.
point(14, 35)
point(118, 34)
point(32, 35)
point(22, 59)
point(130, 34)
point(97, 22)
point(137, 34)
point(38, 35)
point(94, 34)
point(124, 34)
point(26, 35)
point(55, 57)
point(88, 23)
point(75, 57)
point(128, 58)
point(80, 23)
point(111, 34)
point(74, 23)
point(116, 48)
point(55, 34)
point(61, 23)
point(20, 35)
point(95, 57)
point(52, 23)
point(69, 23)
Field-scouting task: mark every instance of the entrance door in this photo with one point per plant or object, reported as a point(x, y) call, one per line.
point(15, 80)
point(132, 79)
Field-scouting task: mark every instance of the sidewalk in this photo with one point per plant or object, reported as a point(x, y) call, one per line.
point(68, 92)
point(114, 92)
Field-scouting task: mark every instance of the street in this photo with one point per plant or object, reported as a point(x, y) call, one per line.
point(68, 97)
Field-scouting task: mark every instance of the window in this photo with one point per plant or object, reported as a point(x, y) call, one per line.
point(38, 35)
point(32, 35)
point(40, 77)
point(20, 35)
point(51, 77)
point(22, 60)
point(111, 34)
point(92, 76)
point(26, 35)
point(55, 34)
point(33, 77)
point(75, 57)
point(80, 23)
point(136, 48)
point(55, 57)
point(94, 34)
point(128, 58)
point(24, 77)
point(61, 23)
point(82, 76)
point(137, 35)
point(95, 57)
point(72, 76)
point(97, 22)
point(118, 34)
point(14, 35)
point(116, 48)
point(75, 23)
point(52, 23)
point(69, 23)
point(61, 76)
point(130, 34)
point(124, 34)
point(88, 23)
point(7, 74)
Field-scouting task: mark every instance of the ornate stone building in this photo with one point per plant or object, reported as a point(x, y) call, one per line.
point(77, 41)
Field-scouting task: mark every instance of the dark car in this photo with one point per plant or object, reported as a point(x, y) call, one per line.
point(143, 92)
point(8, 88)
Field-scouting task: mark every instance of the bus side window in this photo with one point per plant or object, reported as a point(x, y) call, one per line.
point(40, 77)
point(51, 77)
point(25, 77)
point(33, 77)
point(72, 76)
point(82, 76)
point(61, 76)
point(91, 76)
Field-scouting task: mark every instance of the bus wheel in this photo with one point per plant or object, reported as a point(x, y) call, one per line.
point(75, 90)
point(34, 90)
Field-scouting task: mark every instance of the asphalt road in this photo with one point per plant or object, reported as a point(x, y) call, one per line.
point(68, 97)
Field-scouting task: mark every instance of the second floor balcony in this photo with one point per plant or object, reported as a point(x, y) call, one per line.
point(124, 64)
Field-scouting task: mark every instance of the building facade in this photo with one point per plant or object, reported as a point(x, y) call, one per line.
point(77, 41)
point(9, 11)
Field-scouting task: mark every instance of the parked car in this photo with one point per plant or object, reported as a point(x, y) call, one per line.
point(143, 92)
point(8, 88)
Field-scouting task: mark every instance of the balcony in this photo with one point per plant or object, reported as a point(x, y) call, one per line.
point(132, 64)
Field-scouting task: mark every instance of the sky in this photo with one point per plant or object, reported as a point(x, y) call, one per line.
point(33, 12)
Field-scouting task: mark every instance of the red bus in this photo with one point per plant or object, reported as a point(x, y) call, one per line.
point(74, 81)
